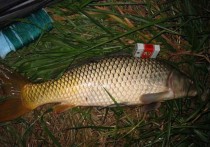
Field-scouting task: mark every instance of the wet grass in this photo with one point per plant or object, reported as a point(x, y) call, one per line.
point(87, 29)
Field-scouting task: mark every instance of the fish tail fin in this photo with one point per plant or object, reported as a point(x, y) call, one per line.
point(11, 109)
point(11, 84)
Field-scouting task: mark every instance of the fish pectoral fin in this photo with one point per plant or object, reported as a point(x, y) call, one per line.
point(150, 107)
point(156, 97)
point(62, 107)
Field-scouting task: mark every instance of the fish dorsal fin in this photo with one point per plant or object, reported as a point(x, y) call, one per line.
point(62, 107)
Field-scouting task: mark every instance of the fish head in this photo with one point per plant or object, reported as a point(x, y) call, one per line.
point(181, 85)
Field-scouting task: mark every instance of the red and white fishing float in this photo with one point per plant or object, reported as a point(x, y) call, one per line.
point(146, 50)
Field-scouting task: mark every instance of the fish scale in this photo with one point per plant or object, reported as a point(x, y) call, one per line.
point(125, 78)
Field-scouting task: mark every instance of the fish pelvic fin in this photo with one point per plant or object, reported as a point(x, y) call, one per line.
point(11, 84)
point(62, 107)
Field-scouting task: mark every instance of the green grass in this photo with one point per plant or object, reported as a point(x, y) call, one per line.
point(88, 29)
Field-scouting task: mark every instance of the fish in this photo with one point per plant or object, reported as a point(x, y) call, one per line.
point(109, 81)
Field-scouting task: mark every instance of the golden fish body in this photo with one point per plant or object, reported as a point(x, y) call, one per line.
point(125, 80)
